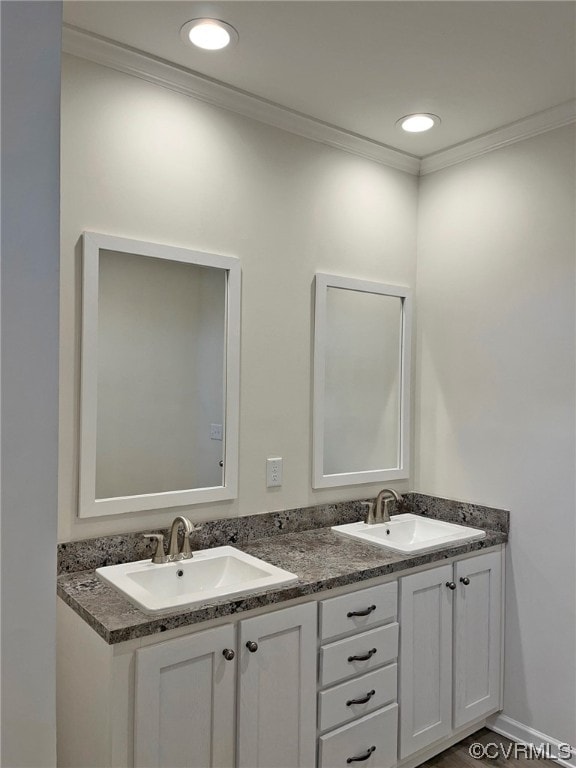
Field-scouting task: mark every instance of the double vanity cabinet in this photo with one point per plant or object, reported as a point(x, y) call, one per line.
point(382, 672)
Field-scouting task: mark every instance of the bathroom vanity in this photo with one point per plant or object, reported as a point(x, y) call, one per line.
point(371, 657)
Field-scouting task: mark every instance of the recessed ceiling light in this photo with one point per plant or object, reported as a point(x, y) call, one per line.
point(209, 34)
point(418, 123)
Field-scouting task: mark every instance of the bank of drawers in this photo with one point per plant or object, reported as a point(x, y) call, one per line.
point(357, 709)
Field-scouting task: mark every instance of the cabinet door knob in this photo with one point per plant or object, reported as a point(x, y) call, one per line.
point(365, 612)
point(252, 646)
point(450, 585)
point(360, 758)
point(228, 654)
point(465, 580)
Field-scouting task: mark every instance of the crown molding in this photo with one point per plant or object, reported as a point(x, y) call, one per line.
point(133, 62)
point(548, 120)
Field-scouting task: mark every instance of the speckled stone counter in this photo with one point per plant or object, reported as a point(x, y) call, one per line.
point(319, 557)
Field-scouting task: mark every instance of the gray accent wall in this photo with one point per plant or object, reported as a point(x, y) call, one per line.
point(29, 378)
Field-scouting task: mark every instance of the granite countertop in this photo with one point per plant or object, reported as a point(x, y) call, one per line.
point(319, 557)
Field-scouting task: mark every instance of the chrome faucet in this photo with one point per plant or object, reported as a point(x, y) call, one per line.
point(378, 510)
point(174, 553)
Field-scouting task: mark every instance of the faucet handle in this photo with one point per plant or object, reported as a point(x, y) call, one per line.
point(369, 507)
point(158, 555)
point(396, 504)
point(186, 551)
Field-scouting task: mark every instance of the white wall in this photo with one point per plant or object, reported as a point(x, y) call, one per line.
point(496, 391)
point(29, 385)
point(141, 161)
point(495, 317)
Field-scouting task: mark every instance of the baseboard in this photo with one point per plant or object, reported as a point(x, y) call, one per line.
point(523, 734)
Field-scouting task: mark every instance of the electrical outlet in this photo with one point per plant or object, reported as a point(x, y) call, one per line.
point(273, 472)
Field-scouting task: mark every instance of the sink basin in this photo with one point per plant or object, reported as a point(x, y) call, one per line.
point(410, 533)
point(211, 574)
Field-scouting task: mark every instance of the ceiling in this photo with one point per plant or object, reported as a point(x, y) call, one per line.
point(363, 65)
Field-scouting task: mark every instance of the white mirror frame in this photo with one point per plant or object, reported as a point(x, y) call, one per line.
point(89, 505)
point(319, 479)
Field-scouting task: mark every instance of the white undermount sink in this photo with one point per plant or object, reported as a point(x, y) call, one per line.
point(410, 533)
point(210, 574)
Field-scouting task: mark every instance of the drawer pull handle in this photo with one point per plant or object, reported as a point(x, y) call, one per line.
point(465, 580)
point(252, 646)
point(228, 654)
point(367, 612)
point(365, 700)
point(360, 758)
point(364, 657)
point(451, 585)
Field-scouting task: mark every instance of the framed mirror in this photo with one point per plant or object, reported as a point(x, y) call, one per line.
point(159, 376)
point(361, 392)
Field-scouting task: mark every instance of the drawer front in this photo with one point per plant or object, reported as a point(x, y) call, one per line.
point(357, 697)
point(372, 737)
point(359, 653)
point(359, 610)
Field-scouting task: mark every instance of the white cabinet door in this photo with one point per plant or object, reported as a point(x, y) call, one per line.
point(277, 694)
point(184, 702)
point(425, 658)
point(477, 637)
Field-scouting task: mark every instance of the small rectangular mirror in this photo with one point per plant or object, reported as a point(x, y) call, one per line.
point(160, 376)
point(361, 382)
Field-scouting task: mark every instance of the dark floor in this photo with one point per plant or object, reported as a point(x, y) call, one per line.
point(459, 756)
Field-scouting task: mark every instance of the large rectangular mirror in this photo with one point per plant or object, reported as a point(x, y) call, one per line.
point(361, 392)
point(160, 376)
